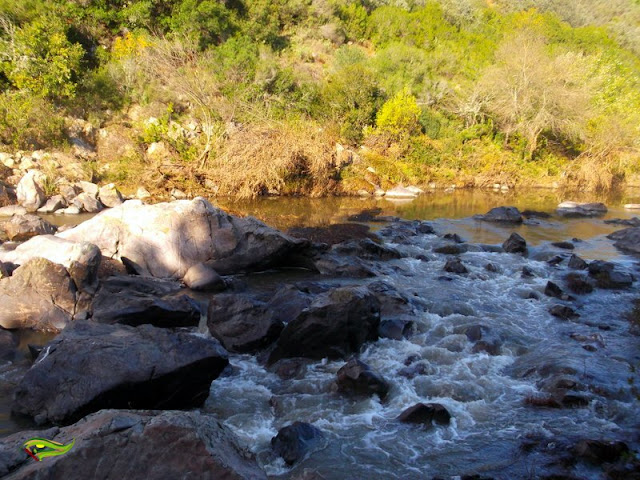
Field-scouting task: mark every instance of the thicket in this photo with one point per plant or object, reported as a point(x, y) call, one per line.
point(253, 95)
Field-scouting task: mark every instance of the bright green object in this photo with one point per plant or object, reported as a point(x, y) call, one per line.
point(40, 448)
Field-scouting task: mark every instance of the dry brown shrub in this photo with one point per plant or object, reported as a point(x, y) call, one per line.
point(287, 159)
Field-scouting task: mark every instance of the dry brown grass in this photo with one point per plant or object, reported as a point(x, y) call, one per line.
point(279, 158)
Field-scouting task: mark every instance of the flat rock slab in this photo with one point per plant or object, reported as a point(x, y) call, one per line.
point(166, 239)
point(581, 210)
point(92, 366)
point(24, 227)
point(501, 215)
point(627, 240)
point(124, 444)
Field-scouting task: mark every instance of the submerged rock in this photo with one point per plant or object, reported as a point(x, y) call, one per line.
point(577, 263)
point(336, 324)
point(241, 323)
point(396, 329)
point(167, 239)
point(295, 441)
point(92, 366)
point(608, 277)
point(563, 312)
point(366, 249)
point(358, 378)
point(581, 210)
point(600, 451)
point(454, 265)
point(564, 245)
point(426, 414)
point(578, 284)
point(116, 443)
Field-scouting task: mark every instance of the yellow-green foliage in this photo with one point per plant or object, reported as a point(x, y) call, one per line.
point(399, 116)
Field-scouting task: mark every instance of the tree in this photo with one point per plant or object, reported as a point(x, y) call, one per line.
point(530, 91)
point(399, 116)
point(40, 59)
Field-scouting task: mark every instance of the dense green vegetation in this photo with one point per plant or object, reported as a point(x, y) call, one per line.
point(252, 96)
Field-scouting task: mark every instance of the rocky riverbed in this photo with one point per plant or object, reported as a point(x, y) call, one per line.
point(179, 341)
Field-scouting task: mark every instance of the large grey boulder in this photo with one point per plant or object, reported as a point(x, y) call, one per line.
point(581, 210)
point(24, 227)
point(30, 192)
point(135, 445)
point(501, 215)
point(87, 203)
point(110, 196)
point(39, 295)
point(54, 204)
point(336, 324)
point(92, 366)
point(167, 239)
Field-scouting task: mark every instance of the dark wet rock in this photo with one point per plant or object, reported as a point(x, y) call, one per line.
point(369, 215)
point(133, 300)
point(366, 249)
point(608, 277)
point(426, 414)
point(343, 266)
point(289, 301)
point(556, 260)
point(337, 323)
point(473, 332)
point(451, 249)
point(578, 284)
point(627, 240)
point(515, 244)
point(492, 267)
point(24, 227)
point(563, 312)
point(202, 277)
point(92, 366)
point(242, 324)
point(332, 234)
point(454, 265)
point(577, 263)
point(581, 210)
point(629, 222)
point(40, 295)
point(501, 215)
point(564, 245)
point(295, 441)
point(392, 302)
point(114, 444)
point(35, 350)
point(535, 214)
point(358, 378)
point(396, 329)
point(8, 345)
point(600, 451)
point(454, 237)
point(527, 272)
point(490, 347)
point(553, 290)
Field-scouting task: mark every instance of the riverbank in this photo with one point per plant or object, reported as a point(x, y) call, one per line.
point(504, 336)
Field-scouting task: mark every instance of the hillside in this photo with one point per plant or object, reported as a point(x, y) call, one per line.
point(323, 96)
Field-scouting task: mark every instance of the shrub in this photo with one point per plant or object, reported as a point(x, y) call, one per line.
point(29, 122)
point(399, 117)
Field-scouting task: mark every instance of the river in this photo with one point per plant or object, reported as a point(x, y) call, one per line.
point(495, 431)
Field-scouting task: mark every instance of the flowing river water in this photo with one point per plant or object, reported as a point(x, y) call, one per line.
point(495, 430)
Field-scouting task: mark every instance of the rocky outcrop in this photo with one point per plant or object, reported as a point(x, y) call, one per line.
point(627, 240)
point(501, 215)
point(296, 441)
point(336, 324)
point(167, 239)
point(241, 323)
point(92, 366)
point(39, 295)
point(358, 378)
point(133, 300)
point(581, 210)
point(24, 227)
point(116, 443)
